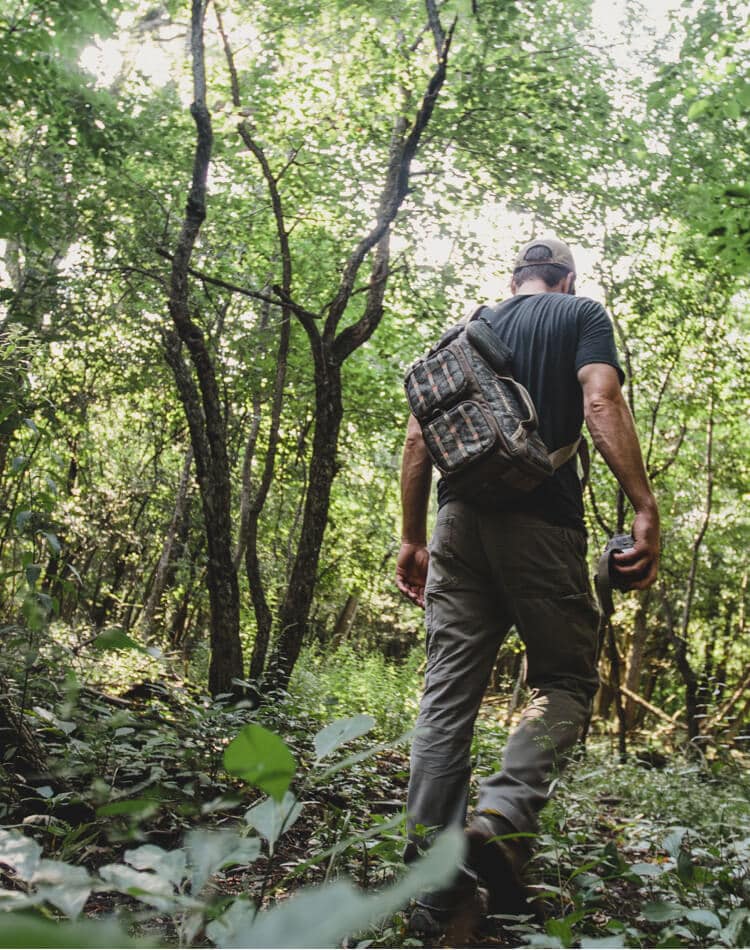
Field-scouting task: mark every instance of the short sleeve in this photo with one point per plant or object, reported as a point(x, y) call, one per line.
point(596, 338)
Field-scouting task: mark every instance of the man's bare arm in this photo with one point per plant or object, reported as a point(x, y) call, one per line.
point(416, 479)
point(611, 426)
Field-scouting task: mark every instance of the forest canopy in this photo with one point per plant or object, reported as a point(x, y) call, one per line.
point(226, 229)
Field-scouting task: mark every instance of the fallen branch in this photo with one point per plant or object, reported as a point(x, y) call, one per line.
point(640, 701)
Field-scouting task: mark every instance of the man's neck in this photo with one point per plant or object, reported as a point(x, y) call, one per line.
point(537, 286)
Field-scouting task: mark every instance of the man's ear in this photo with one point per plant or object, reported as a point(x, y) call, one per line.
point(569, 283)
point(513, 286)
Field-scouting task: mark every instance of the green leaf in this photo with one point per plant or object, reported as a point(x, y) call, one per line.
point(137, 807)
point(52, 542)
point(168, 864)
point(22, 519)
point(706, 918)
point(19, 930)
point(333, 736)
point(262, 759)
point(271, 818)
point(115, 638)
point(732, 109)
point(660, 912)
point(730, 934)
point(149, 888)
point(210, 851)
point(673, 842)
point(323, 916)
point(593, 942)
point(645, 869)
point(361, 756)
point(20, 853)
point(698, 108)
point(63, 885)
point(33, 572)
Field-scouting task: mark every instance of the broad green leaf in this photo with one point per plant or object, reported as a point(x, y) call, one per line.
point(660, 912)
point(63, 885)
point(730, 933)
point(52, 542)
point(333, 736)
point(706, 918)
point(115, 638)
point(645, 869)
point(698, 108)
point(323, 916)
point(210, 851)
point(20, 853)
point(20, 930)
point(732, 109)
point(149, 888)
point(673, 842)
point(271, 818)
point(361, 756)
point(168, 864)
point(262, 759)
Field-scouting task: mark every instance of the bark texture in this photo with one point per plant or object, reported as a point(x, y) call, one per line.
point(202, 402)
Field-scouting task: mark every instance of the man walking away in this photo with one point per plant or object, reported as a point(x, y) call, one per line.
point(492, 564)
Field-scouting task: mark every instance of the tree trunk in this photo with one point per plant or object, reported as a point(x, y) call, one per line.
point(202, 403)
point(345, 619)
point(296, 607)
point(635, 658)
point(147, 620)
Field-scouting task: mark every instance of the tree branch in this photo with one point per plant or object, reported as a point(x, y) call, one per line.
point(276, 301)
point(395, 189)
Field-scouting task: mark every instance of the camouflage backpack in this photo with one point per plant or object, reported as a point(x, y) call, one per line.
point(479, 424)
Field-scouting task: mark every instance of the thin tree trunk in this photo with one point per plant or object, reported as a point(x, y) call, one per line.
point(345, 619)
point(147, 620)
point(202, 404)
point(296, 607)
point(636, 653)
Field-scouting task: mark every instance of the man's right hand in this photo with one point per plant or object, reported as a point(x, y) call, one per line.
point(639, 565)
point(411, 571)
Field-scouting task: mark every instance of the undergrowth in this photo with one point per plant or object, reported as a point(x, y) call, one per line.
point(627, 855)
point(347, 681)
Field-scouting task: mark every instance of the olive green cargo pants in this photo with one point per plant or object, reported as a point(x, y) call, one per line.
point(488, 571)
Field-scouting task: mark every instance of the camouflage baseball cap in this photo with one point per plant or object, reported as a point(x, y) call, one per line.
point(560, 254)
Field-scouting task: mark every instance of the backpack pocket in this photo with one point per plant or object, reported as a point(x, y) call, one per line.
point(435, 383)
point(460, 436)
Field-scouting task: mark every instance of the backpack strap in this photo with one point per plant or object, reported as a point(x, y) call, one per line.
point(560, 456)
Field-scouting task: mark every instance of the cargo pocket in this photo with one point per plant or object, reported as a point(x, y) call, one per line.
point(441, 572)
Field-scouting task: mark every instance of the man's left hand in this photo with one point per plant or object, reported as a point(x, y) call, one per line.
point(411, 571)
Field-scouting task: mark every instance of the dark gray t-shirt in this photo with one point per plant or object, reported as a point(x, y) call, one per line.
point(552, 336)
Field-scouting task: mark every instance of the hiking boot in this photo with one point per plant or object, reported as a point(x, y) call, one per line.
point(427, 922)
point(457, 924)
point(498, 860)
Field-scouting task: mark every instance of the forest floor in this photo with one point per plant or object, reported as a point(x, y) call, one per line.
point(628, 854)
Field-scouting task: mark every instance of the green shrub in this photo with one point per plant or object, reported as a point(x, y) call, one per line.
point(347, 681)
